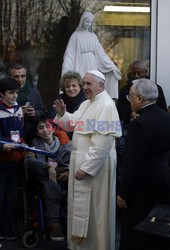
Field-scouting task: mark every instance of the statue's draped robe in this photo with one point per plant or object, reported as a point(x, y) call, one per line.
point(84, 53)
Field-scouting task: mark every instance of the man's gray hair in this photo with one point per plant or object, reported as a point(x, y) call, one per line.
point(146, 88)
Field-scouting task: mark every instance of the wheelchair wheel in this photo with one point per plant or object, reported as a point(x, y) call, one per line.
point(30, 239)
point(20, 217)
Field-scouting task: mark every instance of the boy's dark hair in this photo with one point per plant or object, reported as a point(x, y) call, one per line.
point(8, 83)
point(41, 119)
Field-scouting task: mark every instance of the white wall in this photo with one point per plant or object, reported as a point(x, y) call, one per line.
point(153, 59)
point(162, 45)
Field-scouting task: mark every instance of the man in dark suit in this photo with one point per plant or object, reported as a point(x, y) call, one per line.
point(138, 71)
point(146, 173)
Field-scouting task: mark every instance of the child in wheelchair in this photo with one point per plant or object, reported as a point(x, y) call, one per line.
point(49, 173)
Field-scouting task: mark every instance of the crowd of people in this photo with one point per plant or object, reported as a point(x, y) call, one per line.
point(103, 148)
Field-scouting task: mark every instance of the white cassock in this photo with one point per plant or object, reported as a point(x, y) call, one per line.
point(91, 202)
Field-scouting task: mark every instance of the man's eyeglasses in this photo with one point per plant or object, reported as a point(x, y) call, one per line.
point(129, 97)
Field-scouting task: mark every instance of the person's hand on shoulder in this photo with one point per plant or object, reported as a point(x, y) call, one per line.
point(133, 116)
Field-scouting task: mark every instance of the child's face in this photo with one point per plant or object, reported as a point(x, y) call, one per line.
point(45, 131)
point(9, 97)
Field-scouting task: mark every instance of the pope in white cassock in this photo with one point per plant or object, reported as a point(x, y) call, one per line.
point(92, 174)
point(84, 52)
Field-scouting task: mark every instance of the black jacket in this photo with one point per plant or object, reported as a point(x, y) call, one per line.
point(146, 173)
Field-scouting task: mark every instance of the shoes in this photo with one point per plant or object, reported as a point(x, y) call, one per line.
point(11, 236)
point(56, 233)
point(8, 236)
point(2, 237)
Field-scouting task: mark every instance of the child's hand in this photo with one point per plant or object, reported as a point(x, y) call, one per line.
point(9, 147)
point(52, 174)
point(52, 169)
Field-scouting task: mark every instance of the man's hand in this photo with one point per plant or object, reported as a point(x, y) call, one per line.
point(80, 175)
point(133, 116)
point(60, 107)
point(28, 111)
point(121, 203)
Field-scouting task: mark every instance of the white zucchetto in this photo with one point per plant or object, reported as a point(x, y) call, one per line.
point(97, 73)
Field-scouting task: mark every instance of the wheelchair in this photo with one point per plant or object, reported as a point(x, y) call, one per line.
point(29, 219)
point(30, 224)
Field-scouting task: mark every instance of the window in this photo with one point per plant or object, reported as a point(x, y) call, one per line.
point(36, 32)
point(127, 34)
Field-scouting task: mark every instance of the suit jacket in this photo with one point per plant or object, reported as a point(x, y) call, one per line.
point(146, 154)
point(146, 173)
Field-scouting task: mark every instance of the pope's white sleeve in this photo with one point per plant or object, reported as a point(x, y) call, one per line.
point(97, 154)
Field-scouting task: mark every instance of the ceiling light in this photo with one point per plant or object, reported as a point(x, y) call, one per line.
point(127, 9)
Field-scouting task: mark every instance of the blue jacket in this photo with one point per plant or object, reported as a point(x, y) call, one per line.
point(10, 121)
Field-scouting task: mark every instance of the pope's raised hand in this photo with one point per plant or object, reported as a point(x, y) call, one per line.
point(60, 107)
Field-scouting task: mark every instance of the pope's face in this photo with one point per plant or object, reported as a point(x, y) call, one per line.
point(91, 87)
point(87, 23)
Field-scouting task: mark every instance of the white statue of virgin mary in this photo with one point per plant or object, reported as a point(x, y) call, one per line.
point(84, 53)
